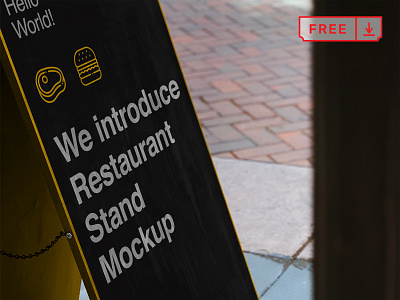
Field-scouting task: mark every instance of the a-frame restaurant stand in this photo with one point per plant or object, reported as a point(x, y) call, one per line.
point(103, 99)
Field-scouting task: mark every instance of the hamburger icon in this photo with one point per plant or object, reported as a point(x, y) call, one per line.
point(87, 66)
point(50, 83)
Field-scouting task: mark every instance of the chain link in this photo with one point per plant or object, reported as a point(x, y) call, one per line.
point(36, 254)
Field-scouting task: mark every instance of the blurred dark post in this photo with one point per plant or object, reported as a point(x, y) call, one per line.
point(357, 165)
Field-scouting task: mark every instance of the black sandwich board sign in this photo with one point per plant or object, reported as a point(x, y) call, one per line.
point(101, 90)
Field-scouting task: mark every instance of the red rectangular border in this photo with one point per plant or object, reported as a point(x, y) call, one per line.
point(348, 17)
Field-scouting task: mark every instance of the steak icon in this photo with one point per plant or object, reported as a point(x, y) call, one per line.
point(87, 66)
point(50, 83)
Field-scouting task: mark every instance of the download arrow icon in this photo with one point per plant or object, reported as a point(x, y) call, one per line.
point(369, 29)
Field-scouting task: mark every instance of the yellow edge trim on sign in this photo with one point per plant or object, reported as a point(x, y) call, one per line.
point(209, 154)
point(92, 291)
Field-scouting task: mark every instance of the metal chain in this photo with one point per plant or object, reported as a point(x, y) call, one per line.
point(36, 254)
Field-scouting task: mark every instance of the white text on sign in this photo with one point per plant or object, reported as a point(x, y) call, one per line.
point(72, 143)
point(24, 26)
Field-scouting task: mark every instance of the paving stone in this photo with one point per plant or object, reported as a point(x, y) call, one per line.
point(183, 39)
point(225, 108)
point(262, 150)
point(222, 96)
point(292, 155)
point(199, 105)
point(261, 77)
point(291, 113)
point(199, 84)
point(304, 101)
point(304, 86)
point(211, 140)
point(259, 111)
point(261, 136)
point(201, 20)
point(198, 49)
point(196, 65)
point(253, 69)
point(291, 126)
point(251, 51)
point(283, 71)
point(230, 146)
point(225, 50)
point(309, 132)
point(262, 158)
point(306, 106)
point(296, 139)
point(224, 155)
point(195, 92)
point(208, 114)
point(231, 76)
point(305, 71)
point(226, 86)
point(226, 120)
point(262, 123)
point(286, 80)
point(287, 90)
point(256, 88)
point(301, 63)
point(249, 99)
point(301, 162)
point(198, 73)
point(247, 36)
point(206, 133)
point(225, 133)
point(225, 67)
point(223, 58)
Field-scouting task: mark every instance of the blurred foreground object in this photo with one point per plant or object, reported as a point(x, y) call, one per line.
point(29, 220)
point(357, 166)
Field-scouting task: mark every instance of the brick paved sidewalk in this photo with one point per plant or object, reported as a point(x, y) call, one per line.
point(248, 74)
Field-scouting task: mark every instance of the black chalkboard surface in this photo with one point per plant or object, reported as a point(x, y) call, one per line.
point(119, 137)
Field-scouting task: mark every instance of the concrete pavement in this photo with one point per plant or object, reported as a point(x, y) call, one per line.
point(270, 204)
point(271, 207)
